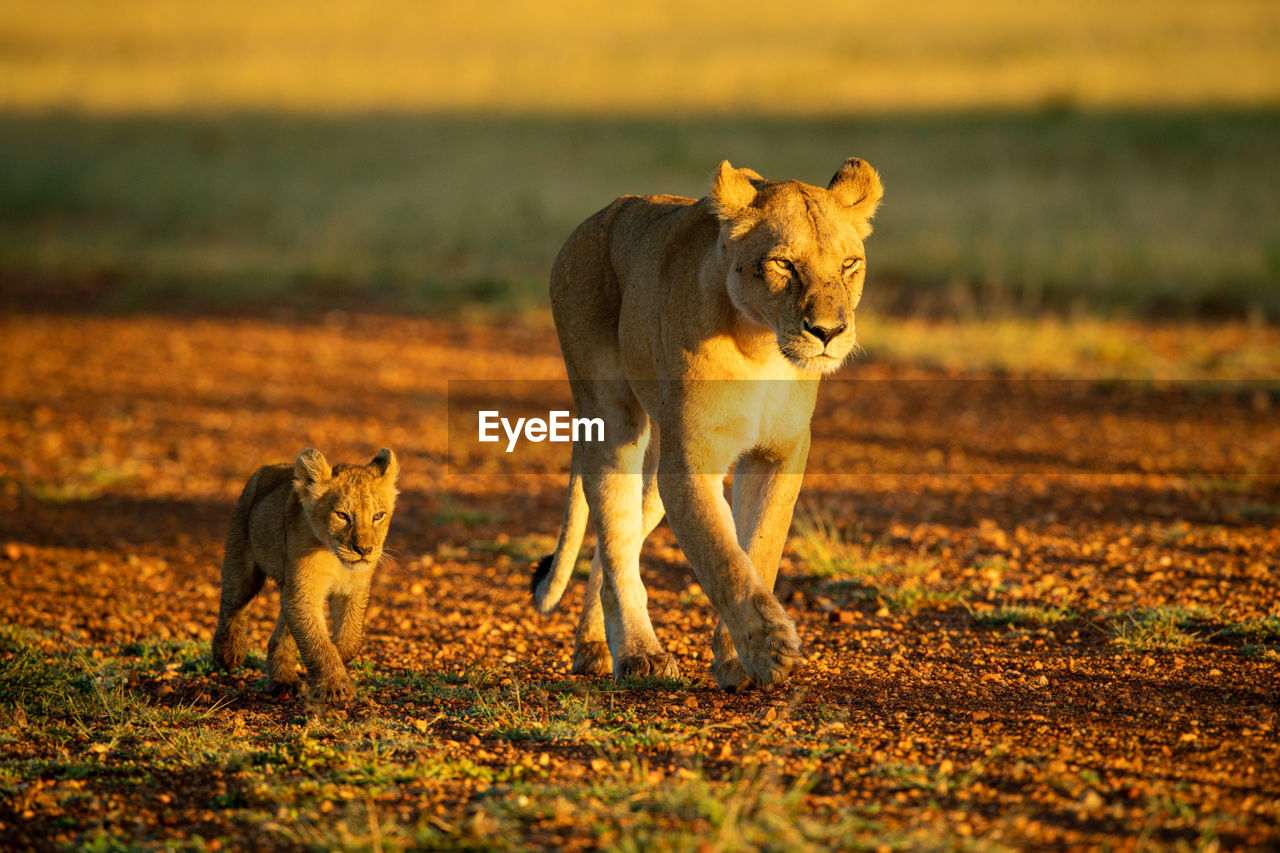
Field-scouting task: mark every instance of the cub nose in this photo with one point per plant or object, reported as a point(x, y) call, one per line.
point(362, 550)
point(824, 333)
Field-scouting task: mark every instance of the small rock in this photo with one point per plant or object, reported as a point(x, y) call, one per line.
point(12, 551)
point(841, 617)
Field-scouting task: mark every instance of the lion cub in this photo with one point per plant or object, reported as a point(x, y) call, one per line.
point(317, 532)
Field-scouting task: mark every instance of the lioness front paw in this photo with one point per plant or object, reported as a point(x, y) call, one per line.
point(592, 658)
point(658, 665)
point(730, 675)
point(771, 648)
point(229, 648)
point(336, 691)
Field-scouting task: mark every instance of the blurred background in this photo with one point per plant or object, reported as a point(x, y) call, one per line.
point(1074, 157)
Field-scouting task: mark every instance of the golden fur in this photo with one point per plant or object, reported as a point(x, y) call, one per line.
point(318, 532)
point(697, 330)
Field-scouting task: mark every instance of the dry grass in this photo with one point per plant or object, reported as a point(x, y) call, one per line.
point(1170, 212)
point(830, 56)
point(420, 154)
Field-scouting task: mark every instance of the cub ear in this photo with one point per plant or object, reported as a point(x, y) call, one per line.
point(858, 187)
point(310, 470)
point(732, 192)
point(385, 465)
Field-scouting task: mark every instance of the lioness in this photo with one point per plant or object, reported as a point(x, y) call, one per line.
point(658, 300)
point(317, 532)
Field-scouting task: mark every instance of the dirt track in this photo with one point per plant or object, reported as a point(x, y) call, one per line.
point(930, 710)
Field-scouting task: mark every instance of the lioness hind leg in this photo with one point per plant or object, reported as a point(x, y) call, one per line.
point(590, 648)
point(240, 584)
point(615, 493)
point(282, 658)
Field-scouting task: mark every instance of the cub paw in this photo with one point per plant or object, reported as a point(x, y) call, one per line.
point(336, 691)
point(277, 684)
point(771, 650)
point(592, 658)
point(658, 665)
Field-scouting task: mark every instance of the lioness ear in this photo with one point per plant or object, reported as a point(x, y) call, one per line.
point(310, 470)
point(386, 465)
point(731, 191)
point(858, 187)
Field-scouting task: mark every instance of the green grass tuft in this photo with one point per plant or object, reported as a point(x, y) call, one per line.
point(1147, 629)
point(1021, 614)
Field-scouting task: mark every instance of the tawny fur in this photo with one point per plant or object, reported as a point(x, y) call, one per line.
point(698, 330)
point(318, 532)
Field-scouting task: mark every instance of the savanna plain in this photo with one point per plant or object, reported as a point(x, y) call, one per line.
point(1034, 560)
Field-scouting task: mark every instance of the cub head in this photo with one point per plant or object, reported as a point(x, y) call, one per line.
point(795, 256)
point(349, 506)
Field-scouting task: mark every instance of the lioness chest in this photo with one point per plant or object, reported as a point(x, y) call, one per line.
point(742, 415)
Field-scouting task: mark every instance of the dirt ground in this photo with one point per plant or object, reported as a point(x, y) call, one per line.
point(1038, 614)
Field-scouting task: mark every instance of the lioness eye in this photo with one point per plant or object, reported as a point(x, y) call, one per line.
point(378, 516)
point(343, 517)
point(852, 264)
point(782, 265)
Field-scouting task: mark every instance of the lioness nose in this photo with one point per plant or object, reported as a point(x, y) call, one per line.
point(362, 550)
point(824, 333)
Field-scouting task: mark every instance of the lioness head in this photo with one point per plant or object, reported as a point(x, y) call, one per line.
point(349, 506)
point(795, 257)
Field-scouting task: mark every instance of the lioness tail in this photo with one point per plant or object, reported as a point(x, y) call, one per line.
point(553, 571)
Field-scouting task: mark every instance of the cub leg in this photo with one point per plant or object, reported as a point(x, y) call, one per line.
point(327, 679)
point(590, 647)
point(348, 619)
point(764, 495)
point(241, 582)
point(282, 657)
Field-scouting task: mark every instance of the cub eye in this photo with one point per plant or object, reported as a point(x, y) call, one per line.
point(343, 517)
point(378, 516)
point(852, 264)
